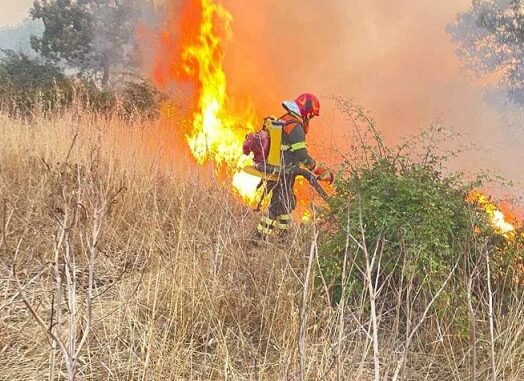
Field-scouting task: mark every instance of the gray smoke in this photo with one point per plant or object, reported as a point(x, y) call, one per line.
point(115, 33)
point(17, 37)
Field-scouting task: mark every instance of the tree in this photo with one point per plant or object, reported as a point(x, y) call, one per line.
point(26, 82)
point(490, 37)
point(91, 36)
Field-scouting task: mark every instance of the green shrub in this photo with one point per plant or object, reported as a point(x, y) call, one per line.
point(94, 99)
point(408, 205)
point(29, 85)
point(141, 98)
point(26, 83)
point(400, 204)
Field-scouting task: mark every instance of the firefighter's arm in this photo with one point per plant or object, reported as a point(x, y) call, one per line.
point(299, 148)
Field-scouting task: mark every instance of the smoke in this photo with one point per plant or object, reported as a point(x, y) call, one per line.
point(17, 37)
point(114, 24)
point(13, 12)
point(394, 58)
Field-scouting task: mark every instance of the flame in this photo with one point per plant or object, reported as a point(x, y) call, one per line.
point(499, 220)
point(192, 52)
point(189, 53)
point(217, 135)
point(307, 217)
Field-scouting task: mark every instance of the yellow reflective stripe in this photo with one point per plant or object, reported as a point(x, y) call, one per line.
point(285, 221)
point(293, 147)
point(262, 230)
point(266, 220)
point(266, 225)
point(297, 146)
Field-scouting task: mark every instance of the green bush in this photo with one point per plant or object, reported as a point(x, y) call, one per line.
point(131, 99)
point(28, 84)
point(408, 205)
point(94, 99)
point(141, 98)
point(400, 204)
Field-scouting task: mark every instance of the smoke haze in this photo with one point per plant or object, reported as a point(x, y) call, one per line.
point(13, 11)
point(394, 58)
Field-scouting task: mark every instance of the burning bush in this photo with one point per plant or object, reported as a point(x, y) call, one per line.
point(415, 221)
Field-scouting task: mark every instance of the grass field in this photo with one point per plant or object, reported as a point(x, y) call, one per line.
point(121, 261)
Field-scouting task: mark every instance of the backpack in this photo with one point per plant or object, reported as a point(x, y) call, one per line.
point(265, 144)
point(258, 144)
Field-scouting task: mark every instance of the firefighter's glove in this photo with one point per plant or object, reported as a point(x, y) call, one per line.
point(324, 175)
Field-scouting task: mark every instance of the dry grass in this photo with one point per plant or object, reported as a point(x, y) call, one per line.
point(178, 293)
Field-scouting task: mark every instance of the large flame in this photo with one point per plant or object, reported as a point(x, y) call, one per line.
point(499, 220)
point(217, 135)
point(188, 57)
point(195, 54)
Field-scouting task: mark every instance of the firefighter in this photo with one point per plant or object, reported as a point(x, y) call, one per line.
point(294, 155)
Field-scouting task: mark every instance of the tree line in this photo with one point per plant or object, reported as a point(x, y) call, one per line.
point(489, 37)
point(90, 46)
point(87, 51)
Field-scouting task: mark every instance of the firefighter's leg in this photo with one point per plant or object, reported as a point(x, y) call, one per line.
point(276, 206)
point(282, 204)
point(268, 222)
point(265, 227)
point(288, 203)
point(284, 222)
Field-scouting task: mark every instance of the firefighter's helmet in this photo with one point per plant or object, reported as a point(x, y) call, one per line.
point(305, 106)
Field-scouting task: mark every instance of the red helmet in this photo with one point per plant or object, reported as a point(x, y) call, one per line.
point(309, 106)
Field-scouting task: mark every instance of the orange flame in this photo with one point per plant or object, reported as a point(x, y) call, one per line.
point(188, 54)
point(195, 55)
point(499, 220)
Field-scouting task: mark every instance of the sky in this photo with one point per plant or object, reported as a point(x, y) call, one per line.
point(13, 11)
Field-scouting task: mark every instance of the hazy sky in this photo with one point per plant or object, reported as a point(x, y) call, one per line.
point(393, 57)
point(13, 11)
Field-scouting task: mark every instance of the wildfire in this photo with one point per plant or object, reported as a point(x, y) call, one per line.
point(217, 134)
point(190, 55)
point(498, 219)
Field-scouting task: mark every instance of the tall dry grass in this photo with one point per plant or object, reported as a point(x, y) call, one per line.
point(121, 261)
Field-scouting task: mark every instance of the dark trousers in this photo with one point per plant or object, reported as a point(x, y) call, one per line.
point(283, 202)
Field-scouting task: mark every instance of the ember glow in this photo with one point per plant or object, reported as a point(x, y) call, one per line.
point(192, 52)
point(498, 219)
